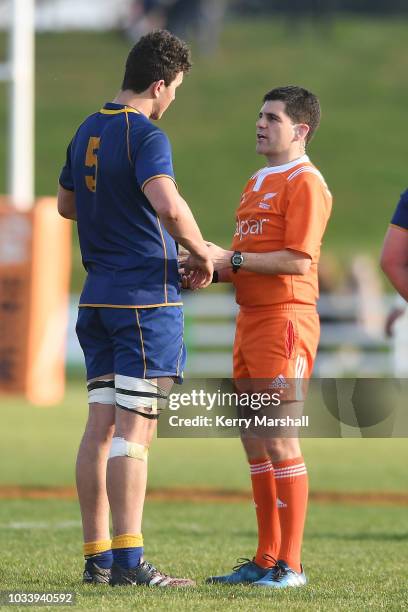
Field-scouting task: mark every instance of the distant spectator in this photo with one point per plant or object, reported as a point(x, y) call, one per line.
point(199, 20)
point(144, 16)
point(394, 314)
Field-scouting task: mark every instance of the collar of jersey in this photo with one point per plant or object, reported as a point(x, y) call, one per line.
point(285, 167)
point(111, 108)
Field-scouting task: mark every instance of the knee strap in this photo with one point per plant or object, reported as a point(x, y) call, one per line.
point(139, 395)
point(101, 392)
point(122, 448)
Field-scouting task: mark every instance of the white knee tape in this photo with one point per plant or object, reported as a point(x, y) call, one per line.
point(101, 392)
point(135, 393)
point(122, 448)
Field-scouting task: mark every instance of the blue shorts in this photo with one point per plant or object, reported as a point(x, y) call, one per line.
point(136, 342)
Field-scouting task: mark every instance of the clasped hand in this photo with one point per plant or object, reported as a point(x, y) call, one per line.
point(190, 269)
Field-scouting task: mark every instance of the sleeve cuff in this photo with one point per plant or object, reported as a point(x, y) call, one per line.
point(301, 249)
point(399, 227)
point(65, 187)
point(147, 181)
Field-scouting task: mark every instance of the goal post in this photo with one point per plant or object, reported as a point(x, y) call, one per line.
point(35, 243)
point(22, 105)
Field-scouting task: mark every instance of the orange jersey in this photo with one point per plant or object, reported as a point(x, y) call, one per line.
point(282, 207)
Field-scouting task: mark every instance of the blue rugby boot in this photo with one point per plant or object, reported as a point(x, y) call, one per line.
point(282, 576)
point(246, 572)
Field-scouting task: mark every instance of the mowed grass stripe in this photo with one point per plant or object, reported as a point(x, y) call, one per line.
point(208, 495)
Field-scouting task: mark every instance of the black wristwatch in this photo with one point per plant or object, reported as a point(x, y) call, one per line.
point(237, 260)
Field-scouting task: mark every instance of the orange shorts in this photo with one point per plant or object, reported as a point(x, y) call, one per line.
point(276, 344)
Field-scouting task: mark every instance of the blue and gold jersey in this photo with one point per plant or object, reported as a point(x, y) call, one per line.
point(400, 217)
point(130, 258)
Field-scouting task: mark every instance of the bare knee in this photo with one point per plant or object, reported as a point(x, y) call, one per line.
point(254, 448)
point(134, 427)
point(101, 424)
point(280, 449)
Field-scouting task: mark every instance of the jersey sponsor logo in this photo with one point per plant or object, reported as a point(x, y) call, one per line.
point(249, 226)
point(264, 205)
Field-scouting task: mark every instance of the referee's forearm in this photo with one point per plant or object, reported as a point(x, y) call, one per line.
point(277, 262)
point(225, 275)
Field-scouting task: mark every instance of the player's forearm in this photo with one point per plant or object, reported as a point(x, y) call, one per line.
point(176, 216)
point(181, 225)
point(394, 259)
point(398, 276)
point(276, 262)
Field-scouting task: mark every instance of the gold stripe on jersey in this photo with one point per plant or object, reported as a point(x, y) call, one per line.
point(158, 176)
point(132, 306)
point(165, 259)
point(142, 343)
point(127, 136)
point(116, 111)
point(180, 353)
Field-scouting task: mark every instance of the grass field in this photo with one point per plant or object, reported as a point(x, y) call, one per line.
point(355, 555)
point(358, 68)
point(49, 437)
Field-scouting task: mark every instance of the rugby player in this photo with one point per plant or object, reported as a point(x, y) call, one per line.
point(394, 257)
point(272, 264)
point(118, 183)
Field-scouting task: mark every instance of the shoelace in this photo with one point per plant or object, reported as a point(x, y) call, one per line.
point(270, 560)
point(279, 571)
point(242, 561)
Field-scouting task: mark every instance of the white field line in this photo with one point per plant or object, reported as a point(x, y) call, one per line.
point(40, 525)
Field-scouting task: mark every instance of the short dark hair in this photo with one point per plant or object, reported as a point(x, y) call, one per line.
point(300, 105)
point(158, 55)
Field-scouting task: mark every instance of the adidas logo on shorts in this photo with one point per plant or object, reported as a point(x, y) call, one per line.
point(279, 383)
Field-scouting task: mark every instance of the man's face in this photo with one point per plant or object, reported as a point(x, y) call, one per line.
point(275, 131)
point(166, 97)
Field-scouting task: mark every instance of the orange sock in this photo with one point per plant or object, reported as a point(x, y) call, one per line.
point(264, 493)
point(292, 490)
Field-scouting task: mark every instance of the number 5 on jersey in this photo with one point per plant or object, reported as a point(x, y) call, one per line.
point(91, 161)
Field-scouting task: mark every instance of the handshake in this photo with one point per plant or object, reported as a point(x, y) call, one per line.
point(197, 269)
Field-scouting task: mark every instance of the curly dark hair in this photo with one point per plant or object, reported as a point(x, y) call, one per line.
point(158, 55)
point(300, 105)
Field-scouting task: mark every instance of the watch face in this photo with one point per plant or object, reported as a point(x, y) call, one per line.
point(237, 259)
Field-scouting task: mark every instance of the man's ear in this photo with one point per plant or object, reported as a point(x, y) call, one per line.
point(156, 88)
point(301, 131)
